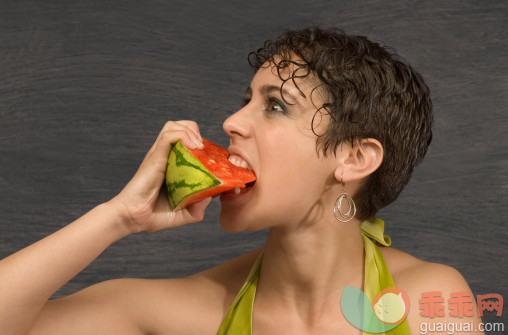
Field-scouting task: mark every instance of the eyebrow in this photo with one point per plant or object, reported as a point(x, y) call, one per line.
point(266, 89)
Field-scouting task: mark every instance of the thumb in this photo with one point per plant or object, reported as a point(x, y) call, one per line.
point(168, 218)
point(197, 210)
point(191, 214)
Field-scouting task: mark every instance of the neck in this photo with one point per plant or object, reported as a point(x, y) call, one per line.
point(310, 266)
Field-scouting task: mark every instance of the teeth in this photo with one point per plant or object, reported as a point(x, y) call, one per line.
point(239, 162)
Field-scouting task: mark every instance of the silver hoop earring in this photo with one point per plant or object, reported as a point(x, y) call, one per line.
point(337, 208)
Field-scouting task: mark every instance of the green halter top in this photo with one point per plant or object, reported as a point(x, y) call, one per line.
point(238, 320)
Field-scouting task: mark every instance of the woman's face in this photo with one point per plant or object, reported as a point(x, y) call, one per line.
point(294, 182)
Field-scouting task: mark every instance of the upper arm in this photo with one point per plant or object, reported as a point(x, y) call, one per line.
point(105, 308)
point(130, 306)
point(193, 305)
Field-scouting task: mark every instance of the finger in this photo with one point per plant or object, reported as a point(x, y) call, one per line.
point(196, 212)
point(186, 126)
point(168, 126)
point(158, 156)
point(152, 170)
point(163, 147)
point(192, 214)
point(192, 126)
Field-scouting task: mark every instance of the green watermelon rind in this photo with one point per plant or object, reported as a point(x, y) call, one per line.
point(186, 176)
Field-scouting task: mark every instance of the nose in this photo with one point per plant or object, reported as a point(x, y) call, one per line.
point(237, 124)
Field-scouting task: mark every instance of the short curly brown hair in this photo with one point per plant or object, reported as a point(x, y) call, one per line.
point(371, 93)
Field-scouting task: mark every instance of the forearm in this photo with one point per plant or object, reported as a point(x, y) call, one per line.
point(29, 277)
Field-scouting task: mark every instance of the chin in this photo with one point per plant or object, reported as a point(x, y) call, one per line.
point(230, 220)
point(233, 221)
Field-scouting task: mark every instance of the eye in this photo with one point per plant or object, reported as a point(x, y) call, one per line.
point(274, 106)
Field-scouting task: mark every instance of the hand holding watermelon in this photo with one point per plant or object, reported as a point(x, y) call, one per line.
point(141, 203)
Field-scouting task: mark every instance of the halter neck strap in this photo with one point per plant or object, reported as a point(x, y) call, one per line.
point(238, 320)
point(374, 229)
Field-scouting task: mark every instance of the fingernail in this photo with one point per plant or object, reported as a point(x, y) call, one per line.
point(199, 144)
point(192, 145)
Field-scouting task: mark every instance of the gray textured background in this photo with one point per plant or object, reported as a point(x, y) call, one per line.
point(85, 87)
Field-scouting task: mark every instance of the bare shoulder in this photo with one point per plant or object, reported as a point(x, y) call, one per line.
point(421, 279)
point(224, 281)
point(410, 271)
point(197, 303)
point(201, 301)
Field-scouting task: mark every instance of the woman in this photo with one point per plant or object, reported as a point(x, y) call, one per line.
point(333, 126)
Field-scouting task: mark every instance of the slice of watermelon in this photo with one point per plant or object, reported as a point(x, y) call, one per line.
point(194, 174)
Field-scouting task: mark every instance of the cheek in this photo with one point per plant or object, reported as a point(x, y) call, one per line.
point(293, 185)
point(290, 164)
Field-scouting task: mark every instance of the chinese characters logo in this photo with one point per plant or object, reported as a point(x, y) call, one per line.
point(460, 304)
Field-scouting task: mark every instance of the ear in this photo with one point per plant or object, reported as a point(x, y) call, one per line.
point(358, 161)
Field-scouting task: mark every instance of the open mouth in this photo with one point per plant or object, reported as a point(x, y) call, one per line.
point(241, 190)
point(251, 184)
